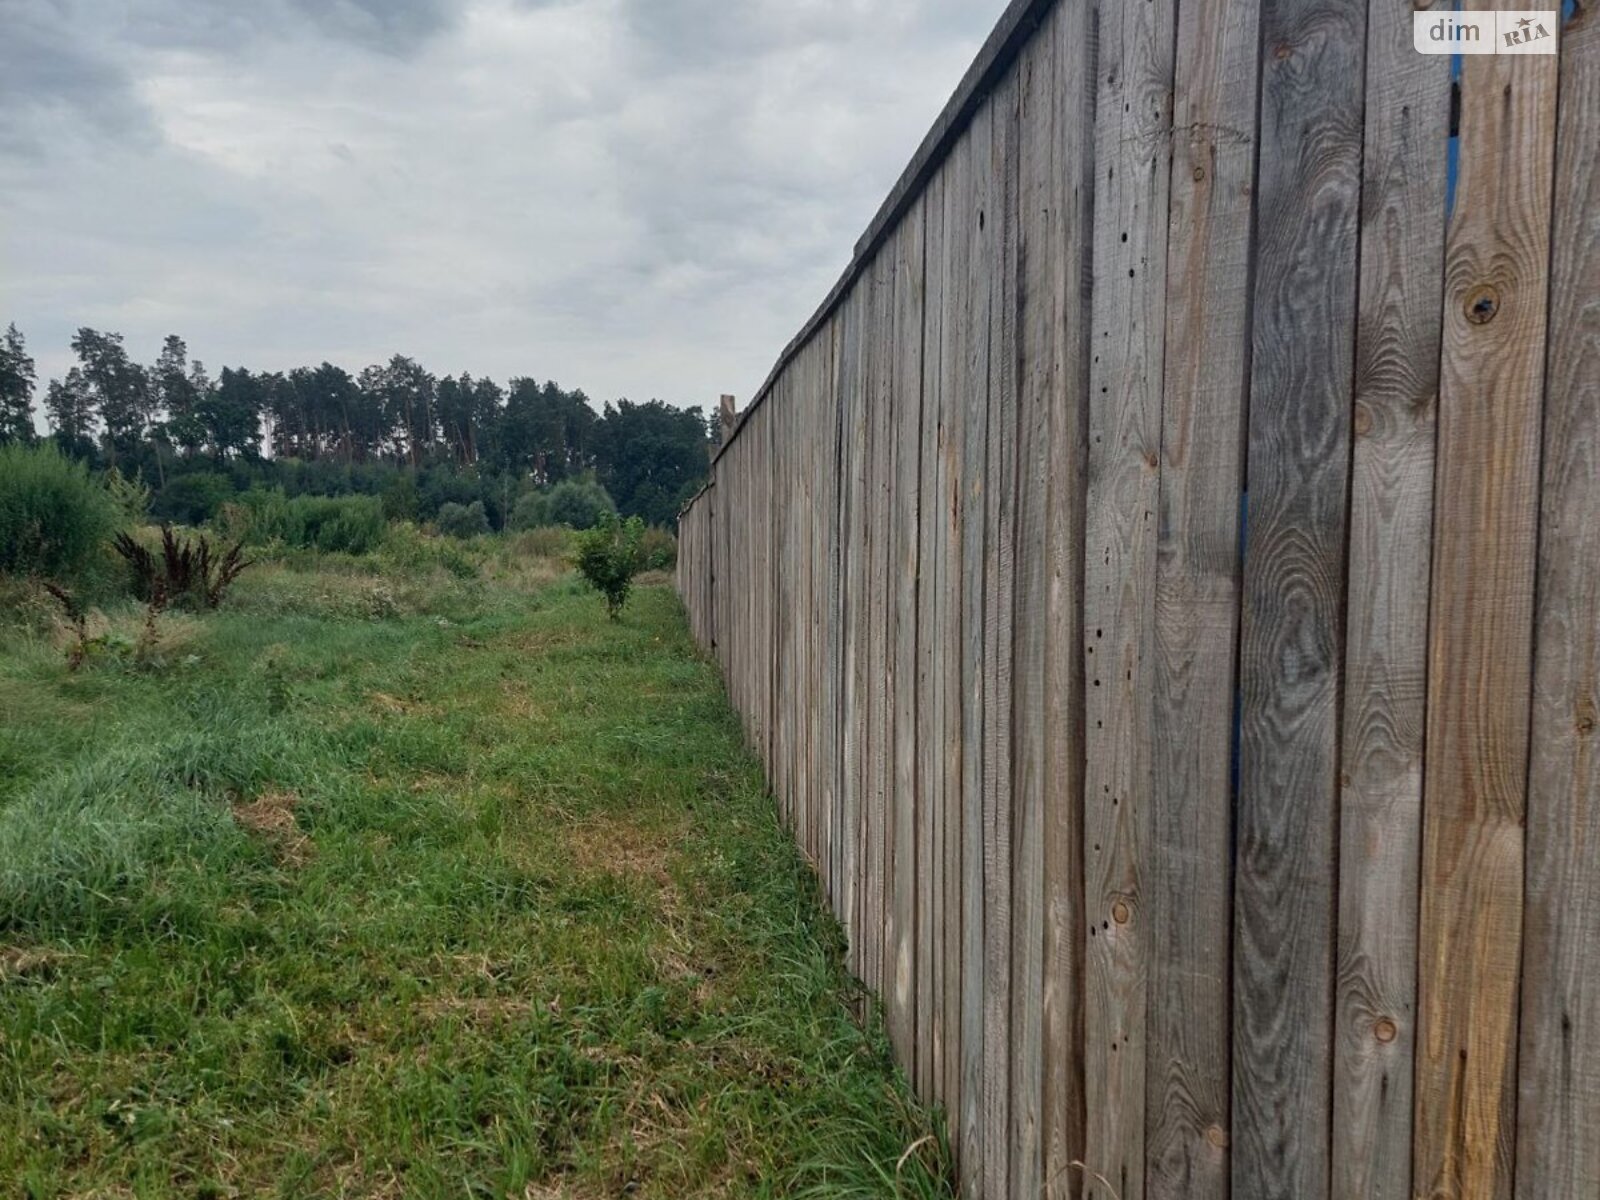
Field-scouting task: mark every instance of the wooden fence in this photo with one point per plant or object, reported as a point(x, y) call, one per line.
point(1163, 583)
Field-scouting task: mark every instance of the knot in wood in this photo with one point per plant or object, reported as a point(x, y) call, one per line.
point(1120, 912)
point(1482, 304)
point(1385, 1031)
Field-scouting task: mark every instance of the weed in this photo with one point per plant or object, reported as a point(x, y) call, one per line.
point(77, 620)
point(187, 569)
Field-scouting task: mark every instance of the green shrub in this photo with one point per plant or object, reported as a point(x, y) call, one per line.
point(193, 499)
point(54, 518)
point(608, 558)
point(577, 504)
point(463, 520)
point(531, 511)
point(334, 524)
point(659, 550)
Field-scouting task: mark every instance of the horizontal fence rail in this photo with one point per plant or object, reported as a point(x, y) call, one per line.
point(1163, 584)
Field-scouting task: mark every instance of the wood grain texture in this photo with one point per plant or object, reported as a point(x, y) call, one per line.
point(906, 457)
point(977, 300)
point(1036, 365)
point(903, 561)
point(1068, 245)
point(1303, 325)
point(1189, 884)
point(1391, 528)
point(934, 728)
point(999, 584)
point(880, 556)
point(1481, 631)
point(854, 623)
point(1558, 1154)
point(1133, 121)
point(953, 506)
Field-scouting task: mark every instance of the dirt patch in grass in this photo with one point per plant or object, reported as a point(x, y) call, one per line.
point(29, 962)
point(400, 706)
point(620, 846)
point(270, 817)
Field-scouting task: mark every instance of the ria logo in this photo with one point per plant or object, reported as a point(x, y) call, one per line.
point(1505, 31)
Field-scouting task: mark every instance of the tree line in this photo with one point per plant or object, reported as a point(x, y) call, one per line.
point(393, 427)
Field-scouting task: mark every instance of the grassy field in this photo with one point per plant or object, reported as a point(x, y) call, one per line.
point(415, 880)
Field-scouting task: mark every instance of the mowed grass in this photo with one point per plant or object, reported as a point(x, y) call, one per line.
point(423, 886)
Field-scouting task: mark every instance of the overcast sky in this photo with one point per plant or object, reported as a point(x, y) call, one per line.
point(642, 198)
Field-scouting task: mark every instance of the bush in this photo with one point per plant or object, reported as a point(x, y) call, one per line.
point(608, 558)
point(531, 511)
point(54, 518)
point(463, 520)
point(659, 550)
point(193, 499)
point(577, 504)
point(333, 524)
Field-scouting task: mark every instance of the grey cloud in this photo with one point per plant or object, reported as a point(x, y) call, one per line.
point(52, 82)
point(639, 197)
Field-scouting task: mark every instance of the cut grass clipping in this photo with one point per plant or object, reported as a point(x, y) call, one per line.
point(467, 892)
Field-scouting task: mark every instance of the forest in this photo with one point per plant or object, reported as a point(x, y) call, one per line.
point(394, 430)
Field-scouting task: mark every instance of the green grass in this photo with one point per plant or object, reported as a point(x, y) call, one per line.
point(417, 885)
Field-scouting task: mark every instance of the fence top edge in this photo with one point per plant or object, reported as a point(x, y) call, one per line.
point(999, 53)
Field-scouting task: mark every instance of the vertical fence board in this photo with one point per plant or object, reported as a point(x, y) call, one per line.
point(905, 811)
point(1068, 246)
point(953, 502)
point(1037, 366)
point(853, 524)
point(977, 299)
point(1558, 1152)
point(1391, 511)
point(1197, 602)
point(880, 536)
point(1133, 115)
point(1290, 657)
point(933, 641)
point(1480, 659)
point(1391, 515)
point(998, 573)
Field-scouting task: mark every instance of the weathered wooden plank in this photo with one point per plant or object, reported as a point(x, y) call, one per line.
point(1133, 116)
point(1068, 244)
point(1036, 303)
point(880, 739)
point(977, 301)
point(999, 567)
point(1189, 884)
point(853, 526)
point(1391, 516)
point(953, 410)
point(933, 642)
point(1480, 643)
point(837, 531)
point(1290, 660)
point(1558, 1152)
point(904, 810)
